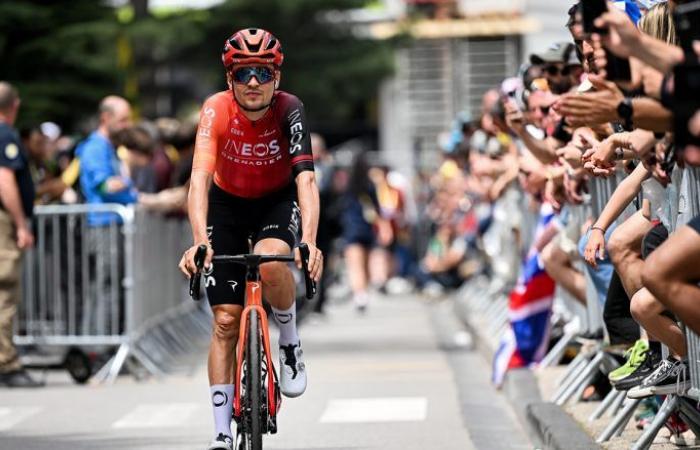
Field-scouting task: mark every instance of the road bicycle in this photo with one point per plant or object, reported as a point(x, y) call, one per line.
point(257, 398)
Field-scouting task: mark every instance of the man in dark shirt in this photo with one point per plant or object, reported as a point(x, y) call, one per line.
point(16, 202)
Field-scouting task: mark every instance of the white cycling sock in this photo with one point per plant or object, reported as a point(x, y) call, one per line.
point(222, 402)
point(287, 321)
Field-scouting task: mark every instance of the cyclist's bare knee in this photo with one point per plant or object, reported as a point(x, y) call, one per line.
point(274, 273)
point(226, 321)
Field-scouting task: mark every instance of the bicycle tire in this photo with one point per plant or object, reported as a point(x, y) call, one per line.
point(254, 377)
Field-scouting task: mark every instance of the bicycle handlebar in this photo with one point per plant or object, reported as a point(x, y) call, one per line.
point(251, 261)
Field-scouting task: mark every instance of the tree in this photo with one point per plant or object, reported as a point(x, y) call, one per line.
point(61, 55)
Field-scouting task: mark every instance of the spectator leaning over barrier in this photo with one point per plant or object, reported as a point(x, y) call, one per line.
point(104, 179)
point(101, 173)
point(16, 204)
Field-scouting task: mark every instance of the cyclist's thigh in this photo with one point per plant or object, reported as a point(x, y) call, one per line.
point(225, 282)
point(282, 221)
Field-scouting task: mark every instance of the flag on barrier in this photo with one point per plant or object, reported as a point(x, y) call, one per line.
point(529, 307)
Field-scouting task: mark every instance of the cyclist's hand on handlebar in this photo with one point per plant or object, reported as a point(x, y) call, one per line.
point(315, 261)
point(187, 265)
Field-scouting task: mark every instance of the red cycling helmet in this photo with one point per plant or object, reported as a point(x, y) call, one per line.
point(252, 46)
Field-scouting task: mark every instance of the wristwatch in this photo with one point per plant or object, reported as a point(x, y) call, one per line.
point(619, 154)
point(625, 111)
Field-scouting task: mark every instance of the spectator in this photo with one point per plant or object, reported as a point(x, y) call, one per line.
point(102, 175)
point(104, 179)
point(16, 207)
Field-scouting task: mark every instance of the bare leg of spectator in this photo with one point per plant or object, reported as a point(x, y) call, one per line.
point(356, 261)
point(671, 274)
point(625, 251)
point(380, 261)
point(558, 265)
point(647, 311)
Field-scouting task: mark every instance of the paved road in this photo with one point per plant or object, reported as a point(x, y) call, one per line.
point(378, 381)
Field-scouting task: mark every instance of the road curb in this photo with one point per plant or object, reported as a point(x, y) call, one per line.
point(547, 424)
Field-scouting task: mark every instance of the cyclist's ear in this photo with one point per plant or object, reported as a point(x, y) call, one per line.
point(277, 79)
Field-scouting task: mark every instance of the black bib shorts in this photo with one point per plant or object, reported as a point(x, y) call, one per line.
point(231, 220)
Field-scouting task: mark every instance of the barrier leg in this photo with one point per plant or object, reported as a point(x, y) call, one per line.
point(618, 404)
point(109, 372)
point(573, 367)
point(572, 375)
point(147, 363)
point(582, 379)
point(690, 414)
point(619, 422)
point(608, 401)
point(667, 408)
point(555, 354)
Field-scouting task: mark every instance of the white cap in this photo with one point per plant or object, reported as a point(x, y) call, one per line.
point(50, 130)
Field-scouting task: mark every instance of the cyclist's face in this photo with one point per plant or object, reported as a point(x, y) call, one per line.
point(254, 94)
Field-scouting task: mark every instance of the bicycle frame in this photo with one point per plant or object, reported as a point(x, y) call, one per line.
point(253, 301)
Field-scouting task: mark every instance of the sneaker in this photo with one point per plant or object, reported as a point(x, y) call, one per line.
point(19, 379)
point(221, 442)
point(649, 363)
point(670, 376)
point(292, 370)
point(634, 356)
point(685, 439)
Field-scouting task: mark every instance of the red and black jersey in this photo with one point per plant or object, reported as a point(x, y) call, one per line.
point(252, 159)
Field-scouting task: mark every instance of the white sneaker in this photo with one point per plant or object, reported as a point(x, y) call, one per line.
point(292, 370)
point(221, 442)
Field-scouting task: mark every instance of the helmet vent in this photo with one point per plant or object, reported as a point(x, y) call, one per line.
point(254, 47)
point(234, 43)
point(253, 31)
point(271, 44)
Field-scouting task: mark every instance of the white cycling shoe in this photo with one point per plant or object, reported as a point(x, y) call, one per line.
point(292, 370)
point(221, 442)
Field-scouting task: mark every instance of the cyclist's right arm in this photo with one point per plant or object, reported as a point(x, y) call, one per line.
point(212, 123)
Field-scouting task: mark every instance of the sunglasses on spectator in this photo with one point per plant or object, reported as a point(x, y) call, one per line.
point(263, 74)
point(554, 70)
point(543, 109)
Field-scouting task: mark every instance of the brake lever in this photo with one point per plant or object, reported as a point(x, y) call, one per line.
point(195, 281)
point(310, 284)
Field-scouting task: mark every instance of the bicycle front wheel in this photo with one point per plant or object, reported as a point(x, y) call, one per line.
point(253, 377)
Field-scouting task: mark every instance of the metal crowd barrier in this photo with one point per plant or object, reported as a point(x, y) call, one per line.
point(105, 277)
point(683, 204)
point(487, 298)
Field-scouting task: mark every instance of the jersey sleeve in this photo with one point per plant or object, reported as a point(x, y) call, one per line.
point(212, 118)
point(297, 131)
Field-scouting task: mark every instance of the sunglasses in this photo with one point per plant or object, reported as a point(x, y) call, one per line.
point(553, 70)
point(263, 74)
point(544, 109)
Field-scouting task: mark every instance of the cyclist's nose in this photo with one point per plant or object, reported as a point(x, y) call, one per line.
point(253, 82)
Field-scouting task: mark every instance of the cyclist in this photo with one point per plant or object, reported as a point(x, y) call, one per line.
point(252, 164)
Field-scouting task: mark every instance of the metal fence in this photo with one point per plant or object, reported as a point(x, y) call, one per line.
point(105, 276)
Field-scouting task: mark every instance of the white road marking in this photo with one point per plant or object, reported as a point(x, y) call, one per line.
point(158, 415)
point(357, 410)
point(9, 417)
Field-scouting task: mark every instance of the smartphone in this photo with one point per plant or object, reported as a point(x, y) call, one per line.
point(590, 11)
point(686, 102)
point(617, 69)
point(686, 18)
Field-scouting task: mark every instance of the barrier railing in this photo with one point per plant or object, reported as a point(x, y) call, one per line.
point(106, 275)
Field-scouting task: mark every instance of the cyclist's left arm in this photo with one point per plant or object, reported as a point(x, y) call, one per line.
point(303, 171)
